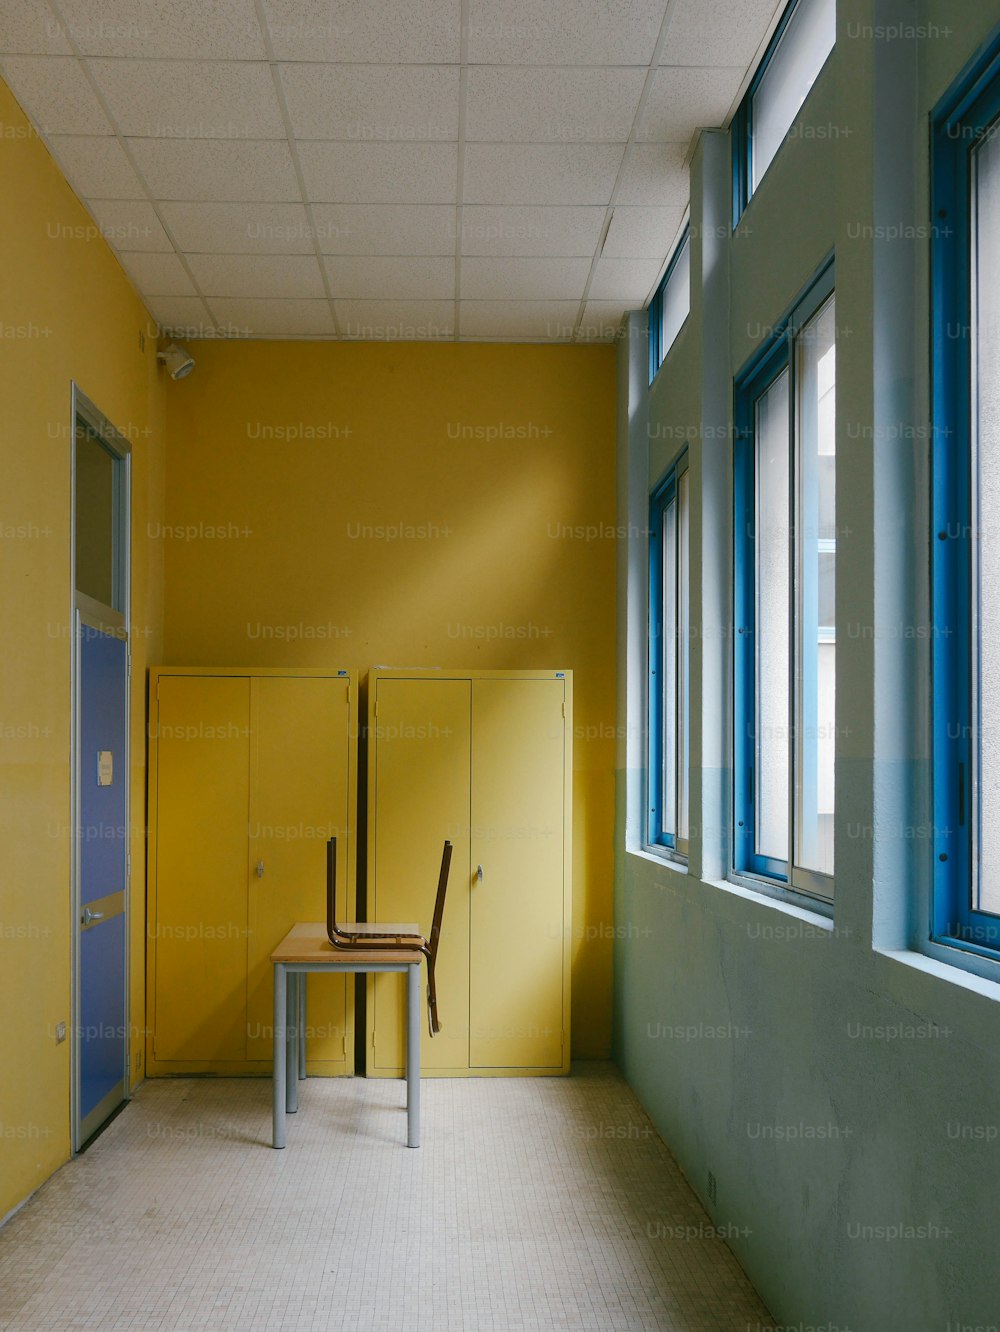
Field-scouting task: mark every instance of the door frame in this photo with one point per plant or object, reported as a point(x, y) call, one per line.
point(85, 610)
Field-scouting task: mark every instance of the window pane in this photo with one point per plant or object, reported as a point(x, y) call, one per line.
point(683, 650)
point(816, 548)
point(772, 633)
point(95, 518)
point(676, 298)
point(986, 462)
point(668, 789)
point(791, 71)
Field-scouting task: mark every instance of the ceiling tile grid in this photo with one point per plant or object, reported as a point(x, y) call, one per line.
point(496, 170)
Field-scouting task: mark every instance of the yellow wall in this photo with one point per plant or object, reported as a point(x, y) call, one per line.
point(67, 312)
point(410, 505)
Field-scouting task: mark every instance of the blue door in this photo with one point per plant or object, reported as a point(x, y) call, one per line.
point(102, 876)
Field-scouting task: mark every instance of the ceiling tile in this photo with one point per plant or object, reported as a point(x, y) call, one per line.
point(601, 321)
point(365, 103)
point(96, 166)
point(642, 233)
point(531, 231)
point(419, 32)
point(538, 320)
point(380, 172)
point(391, 278)
point(229, 228)
point(29, 27)
point(55, 93)
point(266, 275)
point(564, 32)
point(540, 173)
point(523, 279)
point(506, 105)
point(731, 29)
point(217, 169)
point(627, 280)
point(274, 319)
point(191, 99)
point(385, 229)
point(157, 274)
point(128, 225)
point(223, 30)
point(683, 99)
point(184, 316)
point(390, 321)
point(655, 174)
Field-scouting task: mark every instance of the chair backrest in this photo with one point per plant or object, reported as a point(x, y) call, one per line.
point(332, 928)
point(442, 889)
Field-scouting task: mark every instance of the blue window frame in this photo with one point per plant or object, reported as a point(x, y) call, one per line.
point(668, 691)
point(965, 547)
point(796, 53)
point(784, 600)
point(671, 305)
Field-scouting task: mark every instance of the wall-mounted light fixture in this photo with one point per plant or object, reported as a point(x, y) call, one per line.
point(178, 362)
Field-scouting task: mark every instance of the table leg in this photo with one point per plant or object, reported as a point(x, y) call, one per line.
point(303, 986)
point(280, 1017)
point(413, 1055)
point(292, 1044)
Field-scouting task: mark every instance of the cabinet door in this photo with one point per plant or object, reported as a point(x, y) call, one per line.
point(518, 822)
point(420, 748)
point(299, 798)
point(202, 797)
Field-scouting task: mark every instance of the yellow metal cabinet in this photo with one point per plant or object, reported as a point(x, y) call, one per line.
point(250, 773)
point(484, 759)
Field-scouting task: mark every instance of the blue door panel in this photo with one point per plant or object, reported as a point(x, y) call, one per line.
point(102, 1011)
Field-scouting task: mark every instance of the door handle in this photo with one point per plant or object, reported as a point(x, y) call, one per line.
point(260, 869)
point(479, 873)
point(89, 916)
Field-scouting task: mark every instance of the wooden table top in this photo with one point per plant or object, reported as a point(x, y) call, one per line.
point(307, 942)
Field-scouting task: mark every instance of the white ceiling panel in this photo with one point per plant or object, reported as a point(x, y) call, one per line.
point(266, 275)
point(186, 29)
point(96, 166)
point(29, 27)
point(239, 228)
point(375, 31)
point(383, 278)
point(191, 99)
point(363, 173)
point(523, 279)
point(629, 280)
point(545, 321)
point(683, 99)
point(564, 32)
point(531, 231)
point(274, 319)
point(392, 321)
point(508, 105)
point(541, 173)
point(386, 229)
point(365, 103)
point(129, 225)
point(157, 274)
point(732, 30)
point(55, 93)
point(217, 169)
point(641, 233)
point(655, 174)
point(369, 169)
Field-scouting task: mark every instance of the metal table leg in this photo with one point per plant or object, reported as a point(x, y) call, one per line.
point(278, 1109)
point(413, 1055)
point(292, 1043)
point(303, 986)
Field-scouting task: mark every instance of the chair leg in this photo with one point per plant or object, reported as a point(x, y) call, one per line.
point(432, 1014)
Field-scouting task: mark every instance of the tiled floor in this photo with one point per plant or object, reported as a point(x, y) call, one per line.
point(534, 1203)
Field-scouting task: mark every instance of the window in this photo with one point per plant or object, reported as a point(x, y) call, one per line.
point(671, 305)
point(790, 66)
point(669, 669)
point(785, 639)
point(965, 595)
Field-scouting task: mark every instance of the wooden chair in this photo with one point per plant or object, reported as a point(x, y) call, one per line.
point(374, 934)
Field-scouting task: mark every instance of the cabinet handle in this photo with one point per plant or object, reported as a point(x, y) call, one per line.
point(479, 873)
point(260, 869)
